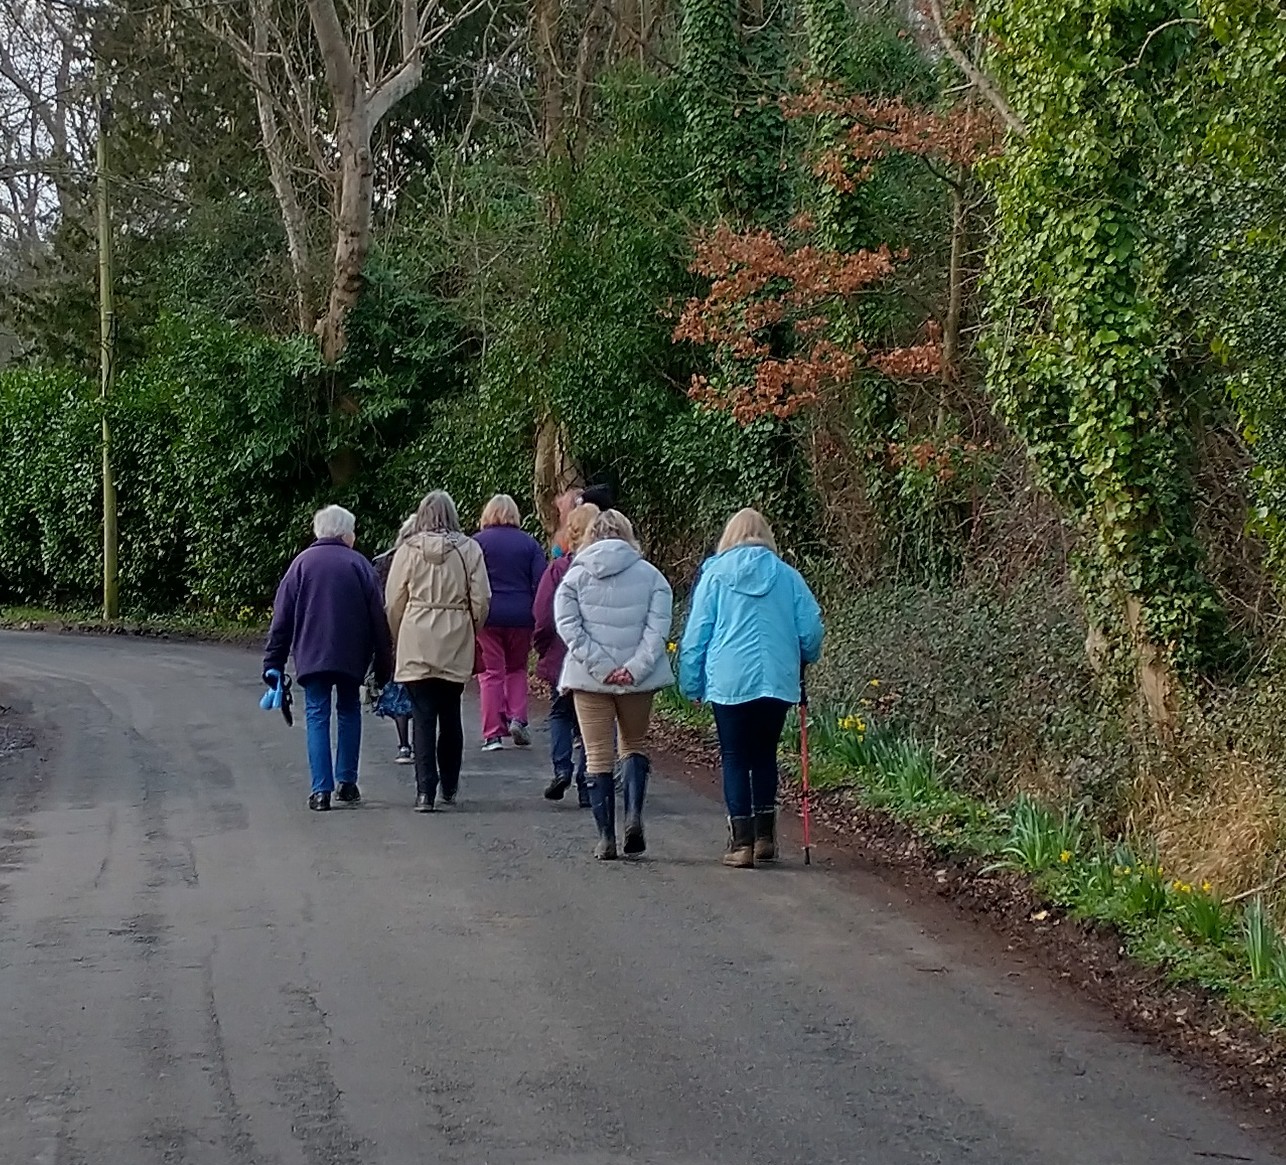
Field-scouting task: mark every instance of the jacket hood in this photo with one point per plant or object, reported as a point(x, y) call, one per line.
point(749, 570)
point(607, 558)
point(434, 548)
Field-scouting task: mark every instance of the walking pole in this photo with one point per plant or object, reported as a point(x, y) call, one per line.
point(803, 767)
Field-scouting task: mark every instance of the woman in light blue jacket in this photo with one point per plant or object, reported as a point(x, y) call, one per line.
point(753, 625)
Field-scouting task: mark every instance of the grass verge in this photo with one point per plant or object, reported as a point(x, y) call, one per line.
point(1191, 933)
point(201, 628)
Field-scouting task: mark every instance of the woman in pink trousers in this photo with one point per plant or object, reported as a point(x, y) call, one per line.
point(515, 563)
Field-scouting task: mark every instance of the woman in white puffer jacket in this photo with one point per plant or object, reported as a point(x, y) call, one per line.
point(613, 611)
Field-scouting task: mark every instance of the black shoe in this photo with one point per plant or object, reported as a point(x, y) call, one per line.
point(582, 794)
point(320, 802)
point(448, 798)
point(558, 786)
point(634, 773)
point(423, 804)
point(348, 792)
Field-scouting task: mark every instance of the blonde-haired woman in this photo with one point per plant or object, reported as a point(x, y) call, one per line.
point(437, 597)
point(515, 564)
point(564, 732)
point(613, 612)
point(752, 626)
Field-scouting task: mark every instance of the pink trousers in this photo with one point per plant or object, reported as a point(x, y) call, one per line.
point(503, 679)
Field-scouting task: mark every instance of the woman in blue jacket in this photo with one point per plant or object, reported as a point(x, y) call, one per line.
point(752, 626)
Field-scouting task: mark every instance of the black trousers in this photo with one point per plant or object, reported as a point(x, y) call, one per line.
point(439, 735)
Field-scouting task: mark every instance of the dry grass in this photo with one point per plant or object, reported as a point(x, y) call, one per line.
point(1218, 816)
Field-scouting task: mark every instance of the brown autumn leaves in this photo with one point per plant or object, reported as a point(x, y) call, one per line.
point(774, 303)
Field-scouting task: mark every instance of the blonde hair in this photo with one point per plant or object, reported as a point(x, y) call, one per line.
point(747, 528)
point(611, 524)
point(502, 510)
point(407, 529)
point(576, 528)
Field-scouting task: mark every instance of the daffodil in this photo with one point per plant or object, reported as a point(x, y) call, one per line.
point(1065, 856)
point(875, 683)
point(1206, 887)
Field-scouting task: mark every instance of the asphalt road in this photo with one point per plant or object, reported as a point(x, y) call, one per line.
point(194, 968)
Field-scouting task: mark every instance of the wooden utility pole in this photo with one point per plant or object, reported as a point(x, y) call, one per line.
point(107, 355)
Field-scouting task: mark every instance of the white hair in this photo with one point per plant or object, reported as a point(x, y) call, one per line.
point(334, 522)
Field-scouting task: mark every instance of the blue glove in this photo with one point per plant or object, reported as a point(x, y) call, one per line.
point(271, 699)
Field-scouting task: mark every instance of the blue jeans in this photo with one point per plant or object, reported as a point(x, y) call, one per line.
point(564, 732)
point(749, 734)
point(348, 713)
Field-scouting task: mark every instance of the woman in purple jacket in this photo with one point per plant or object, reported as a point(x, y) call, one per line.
point(564, 732)
point(515, 563)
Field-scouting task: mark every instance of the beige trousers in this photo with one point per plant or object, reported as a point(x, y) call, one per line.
point(603, 715)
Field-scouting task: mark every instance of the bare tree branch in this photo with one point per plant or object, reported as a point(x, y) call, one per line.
point(341, 77)
point(984, 84)
point(279, 172)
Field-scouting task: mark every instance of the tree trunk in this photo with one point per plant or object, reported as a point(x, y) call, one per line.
point(292, 214)
point(627, 30)
point(955, 281)
point(283, 183)
point(352, 231)
point(549, 75)
point(1154, 676)
point(588, 58)
point(554, 471)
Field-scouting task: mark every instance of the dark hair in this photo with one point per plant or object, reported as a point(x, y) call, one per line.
point(598, 495)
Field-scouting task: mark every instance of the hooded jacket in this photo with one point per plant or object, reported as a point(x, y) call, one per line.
point(753, 623)
point(437, 599)
point(613, 609)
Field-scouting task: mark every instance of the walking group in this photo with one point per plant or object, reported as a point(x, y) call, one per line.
point(441, 607)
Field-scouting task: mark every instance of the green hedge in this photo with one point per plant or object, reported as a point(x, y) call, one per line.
point(221, 445)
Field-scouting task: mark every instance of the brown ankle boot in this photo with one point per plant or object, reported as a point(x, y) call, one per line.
point(740, 853)
point(766, 836)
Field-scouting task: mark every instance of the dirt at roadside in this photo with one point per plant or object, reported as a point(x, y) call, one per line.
point(1196, 1028)
point(15, 730)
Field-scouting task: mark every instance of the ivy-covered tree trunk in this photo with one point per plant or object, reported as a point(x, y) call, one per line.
point(1082, 360)
point(709, 64)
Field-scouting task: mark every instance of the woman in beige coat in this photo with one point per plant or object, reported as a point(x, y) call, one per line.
point(437, 598)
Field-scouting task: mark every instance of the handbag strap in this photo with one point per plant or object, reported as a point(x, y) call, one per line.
point(468, 590)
